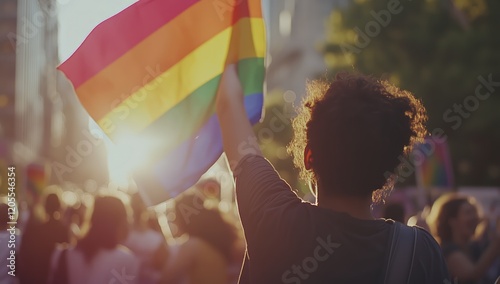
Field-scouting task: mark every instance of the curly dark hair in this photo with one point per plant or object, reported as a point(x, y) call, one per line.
point(357, 127)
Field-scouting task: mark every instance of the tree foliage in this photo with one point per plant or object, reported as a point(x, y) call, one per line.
point(437, 49)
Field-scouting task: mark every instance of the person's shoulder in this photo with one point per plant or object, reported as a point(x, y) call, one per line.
point(123, 255)
point(251, 161)
point(426, 239)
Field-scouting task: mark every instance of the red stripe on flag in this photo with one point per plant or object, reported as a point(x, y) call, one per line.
point(126, 34)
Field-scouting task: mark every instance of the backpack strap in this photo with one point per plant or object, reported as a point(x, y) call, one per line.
point(401, 254)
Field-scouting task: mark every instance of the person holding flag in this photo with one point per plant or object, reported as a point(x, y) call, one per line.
point(347, 135)
point(161, 62)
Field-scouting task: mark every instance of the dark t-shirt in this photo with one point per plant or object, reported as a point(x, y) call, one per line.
point(291, 241)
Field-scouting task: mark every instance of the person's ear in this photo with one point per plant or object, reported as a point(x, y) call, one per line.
point(308, 160)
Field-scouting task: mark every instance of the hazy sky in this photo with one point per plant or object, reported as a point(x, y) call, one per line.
point(77, 18)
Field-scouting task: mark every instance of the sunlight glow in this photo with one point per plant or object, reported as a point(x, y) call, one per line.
point(130, 154)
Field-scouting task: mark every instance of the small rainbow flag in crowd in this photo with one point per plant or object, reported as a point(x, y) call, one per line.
point(153, 71)
point(434, 168)
point(36, 179)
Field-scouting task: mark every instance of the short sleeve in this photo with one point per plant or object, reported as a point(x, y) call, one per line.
point(260, 189)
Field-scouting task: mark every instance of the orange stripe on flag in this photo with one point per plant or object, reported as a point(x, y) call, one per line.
point(167, 90)
point(123, 78)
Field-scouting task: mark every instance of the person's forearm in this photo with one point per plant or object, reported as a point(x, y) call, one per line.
point(487, 258)
point(484, 262)
point(238, 137)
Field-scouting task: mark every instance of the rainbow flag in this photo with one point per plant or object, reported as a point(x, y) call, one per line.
point(153, 71)
point(37, 178)
point(433, 164)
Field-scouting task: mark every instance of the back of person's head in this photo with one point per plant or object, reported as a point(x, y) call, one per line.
point(394, 211)
point(4, 215)
point(107, 226)
point(207, 224)
point(52, 203)
point(354, 130)
point(444, 210)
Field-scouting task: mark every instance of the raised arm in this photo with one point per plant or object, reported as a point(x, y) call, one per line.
point(460, 265)
point(238, 137)
point(260, 190)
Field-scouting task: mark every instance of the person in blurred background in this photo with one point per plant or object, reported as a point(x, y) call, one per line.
point(420, 219)
point(349, 137)
point(394, 211)
point(453, 221)
point(8, 244)
point(146, 243)
point(74, 219)
point(205, 256)
point(40, 239)
point(98, 257)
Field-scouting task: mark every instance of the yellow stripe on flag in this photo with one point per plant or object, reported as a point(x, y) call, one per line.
point(157, 97)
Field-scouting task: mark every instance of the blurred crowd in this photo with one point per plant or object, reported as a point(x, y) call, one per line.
point(115, 238)
point(469, 238)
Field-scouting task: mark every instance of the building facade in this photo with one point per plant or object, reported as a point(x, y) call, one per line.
point(42, 122)
point(8, 23)
point(296, 31)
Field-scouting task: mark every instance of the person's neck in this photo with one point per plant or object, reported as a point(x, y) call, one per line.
point(357, 207)
point(460, 240)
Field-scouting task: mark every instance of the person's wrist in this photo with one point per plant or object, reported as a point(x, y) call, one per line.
point(230, 93)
